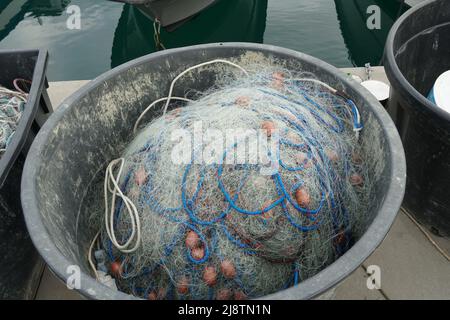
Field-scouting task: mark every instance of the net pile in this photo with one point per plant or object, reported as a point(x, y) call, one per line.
point(212, 226)
point(12, 104)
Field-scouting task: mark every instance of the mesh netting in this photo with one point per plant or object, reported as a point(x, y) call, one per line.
point(225, 219)
point(12, 104)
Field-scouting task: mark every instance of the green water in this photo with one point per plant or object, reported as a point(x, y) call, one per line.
point(112, 33)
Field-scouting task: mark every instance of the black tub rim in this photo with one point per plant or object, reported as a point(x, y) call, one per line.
point(393, 71)
point(29, 114)
point(309, 288)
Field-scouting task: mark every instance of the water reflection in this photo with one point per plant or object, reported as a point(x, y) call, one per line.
point(35, 8)
point(12, 12)
point(237, 20)
point(38, 8)
point(365, 45)
point(113, 33)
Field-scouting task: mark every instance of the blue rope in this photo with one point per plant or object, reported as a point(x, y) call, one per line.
point(207, 231)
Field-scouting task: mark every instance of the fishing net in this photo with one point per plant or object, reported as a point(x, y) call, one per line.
point(12, 104)
point(221, 218)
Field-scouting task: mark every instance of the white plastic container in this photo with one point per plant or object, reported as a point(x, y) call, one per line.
point(440, 93)
point(379, 89)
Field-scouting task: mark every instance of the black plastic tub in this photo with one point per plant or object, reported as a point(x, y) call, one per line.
point(79, 139)
point(417, 52)
point(21, 265)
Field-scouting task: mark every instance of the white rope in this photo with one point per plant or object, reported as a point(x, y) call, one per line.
point(169, 96)
point(15, 94)
point(111, 186)
point(333, 90)
point(152, 105)
point(172, 85)
point(91, 263)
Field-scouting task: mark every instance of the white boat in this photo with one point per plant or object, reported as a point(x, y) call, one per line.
point(170, 12)
point(226, 20)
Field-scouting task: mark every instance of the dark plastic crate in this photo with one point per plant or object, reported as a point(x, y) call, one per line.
point(21, 266)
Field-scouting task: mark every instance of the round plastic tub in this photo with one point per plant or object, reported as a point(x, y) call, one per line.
point(417, 53)
point(77, 142)
point(21, 266)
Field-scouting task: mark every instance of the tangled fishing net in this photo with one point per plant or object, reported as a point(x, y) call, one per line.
point(12, 104)
point(211, 225)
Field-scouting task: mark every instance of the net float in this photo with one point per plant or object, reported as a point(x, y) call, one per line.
point(140, 176)
point(228, 269)
point(268, 127)
point(192, 240)
point(198, 253)
point(224, 294)
point(116, 268)
point(356, 179)
point(152, 296)
point(183, 285)
point(332, 155)
point(239, 295)
point(210, 276)
point(302, 197)
point(243, 101)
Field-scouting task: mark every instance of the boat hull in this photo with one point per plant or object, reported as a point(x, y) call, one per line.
point(170, 12)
